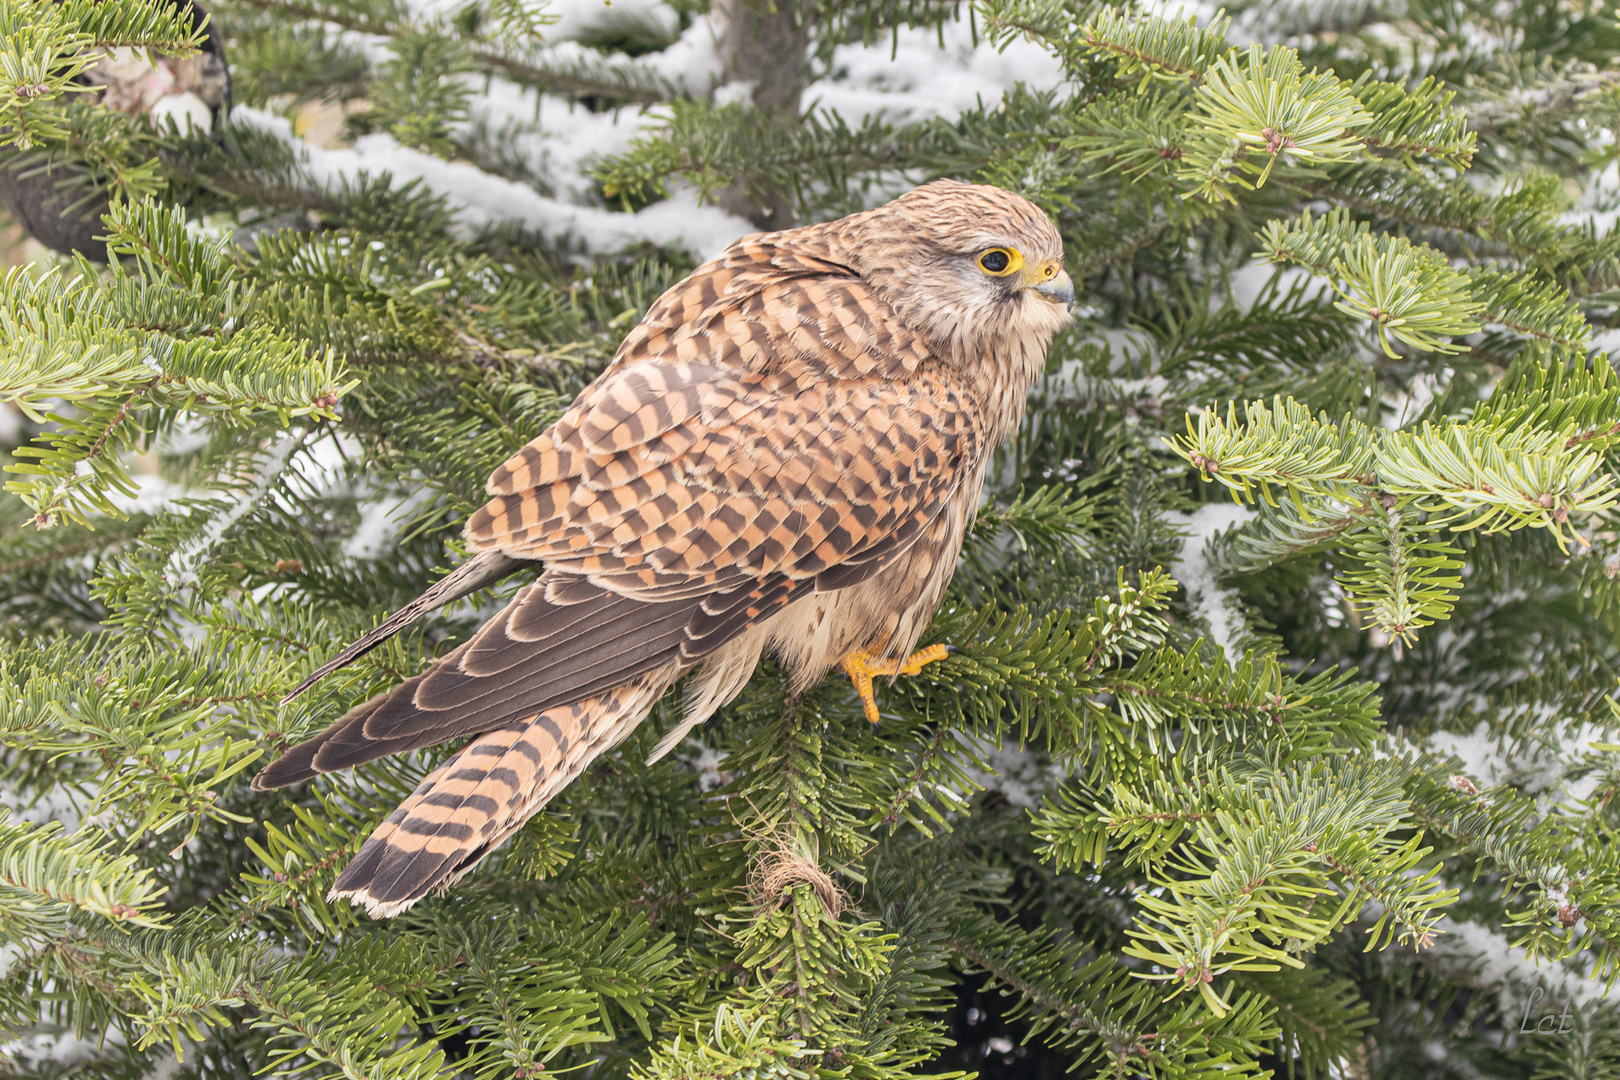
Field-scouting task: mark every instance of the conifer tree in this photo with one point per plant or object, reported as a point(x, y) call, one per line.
point(1282, 733)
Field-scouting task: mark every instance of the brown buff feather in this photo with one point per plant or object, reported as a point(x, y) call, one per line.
point(784, 455)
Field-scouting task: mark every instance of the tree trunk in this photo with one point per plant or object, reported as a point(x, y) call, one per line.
point(765, 43)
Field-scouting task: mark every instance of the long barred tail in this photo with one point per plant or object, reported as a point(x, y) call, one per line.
point(468, 806)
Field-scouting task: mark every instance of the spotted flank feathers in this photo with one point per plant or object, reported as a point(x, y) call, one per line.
point(783, 456)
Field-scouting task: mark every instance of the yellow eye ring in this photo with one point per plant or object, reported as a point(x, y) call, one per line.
point(1000, 261)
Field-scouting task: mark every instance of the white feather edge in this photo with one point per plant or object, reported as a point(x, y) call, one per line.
point(720, 680)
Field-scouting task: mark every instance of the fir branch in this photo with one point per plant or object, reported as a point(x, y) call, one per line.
point(579, 78)
point(1123, 763)
point(1178, 48)
point(1568, 95)
point(44, 873)
point(1093, 1008)
point(45, 48)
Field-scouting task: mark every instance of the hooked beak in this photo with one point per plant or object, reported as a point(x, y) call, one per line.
point(1059, 290)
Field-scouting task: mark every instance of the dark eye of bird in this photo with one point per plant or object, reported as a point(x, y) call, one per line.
point(995, 260)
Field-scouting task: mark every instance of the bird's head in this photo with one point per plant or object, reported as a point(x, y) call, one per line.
point(977, 270)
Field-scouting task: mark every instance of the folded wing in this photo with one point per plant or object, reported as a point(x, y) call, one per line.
point(784, 438)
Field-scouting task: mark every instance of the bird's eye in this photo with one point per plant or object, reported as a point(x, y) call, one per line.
point(1000, 261)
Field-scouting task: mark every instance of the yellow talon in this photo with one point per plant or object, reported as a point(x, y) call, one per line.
point(861, 668)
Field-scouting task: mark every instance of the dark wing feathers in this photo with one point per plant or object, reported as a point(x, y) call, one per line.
point(616, 639)
point(621, 638)
point(722, 617)
point(344, 741)
point(633, 634)
point(768, 431)
point(484, 568)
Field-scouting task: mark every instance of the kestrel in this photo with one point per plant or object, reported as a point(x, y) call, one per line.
point(784, 455)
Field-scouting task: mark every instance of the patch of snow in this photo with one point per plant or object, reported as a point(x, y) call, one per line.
point(692, 63)
point(480, 199)
point(915, 76)
point(182, 568)
point(734, 93)
point(1119, 343)
point(1219, 608)
point(11, 428)
point(153, 494)
point(1153, 387)
point(552, 136)
point(163, 1065)
point(59, 805)
point(379, 520)
point(1479, 750)
point(186, 110)
point(1599, 204)
point(1023, 777)
point(1579, 789)
point(1511, 971)
point(188, 435)
point(34, 1050)
point(1607, 341)
point(65, 1049)
point(321, 468)
point(1540, 765)
point(575, 17)
point(1247, 282)
point(1405, 405)
point(710, 766)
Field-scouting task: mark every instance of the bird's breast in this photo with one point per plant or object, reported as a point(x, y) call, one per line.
point(885, 614)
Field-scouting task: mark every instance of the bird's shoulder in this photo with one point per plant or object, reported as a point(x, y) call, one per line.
point(778, 303)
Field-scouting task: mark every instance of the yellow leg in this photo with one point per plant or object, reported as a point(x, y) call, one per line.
point(860, 667)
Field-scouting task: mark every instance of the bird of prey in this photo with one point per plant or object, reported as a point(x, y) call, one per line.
point(784, 455)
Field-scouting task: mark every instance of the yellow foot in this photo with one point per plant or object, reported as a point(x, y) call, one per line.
point(861, 668)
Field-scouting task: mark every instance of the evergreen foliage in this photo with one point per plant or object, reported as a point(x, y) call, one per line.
point(1282, 735)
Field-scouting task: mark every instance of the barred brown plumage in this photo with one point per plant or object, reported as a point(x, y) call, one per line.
point(784, 455)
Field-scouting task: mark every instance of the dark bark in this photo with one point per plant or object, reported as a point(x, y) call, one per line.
point(765, 43)
point(60, 213)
